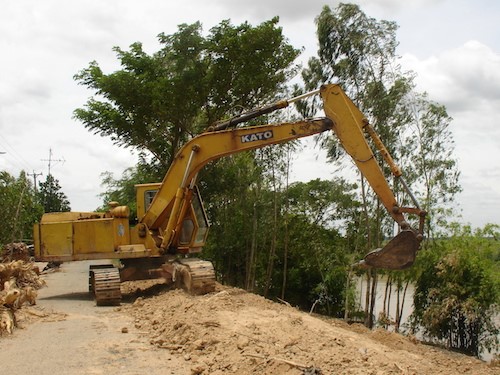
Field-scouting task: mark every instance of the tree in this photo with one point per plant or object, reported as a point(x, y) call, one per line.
point(156, 102)
point(122, 190)
point(232, 190)
point(258, 225)
point(320, 213)
point(51, 196)
point(432, 161)
point(359, 53)
point(458, 292)
point(19, 208)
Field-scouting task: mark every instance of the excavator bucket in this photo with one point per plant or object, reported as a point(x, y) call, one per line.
point(398, 254)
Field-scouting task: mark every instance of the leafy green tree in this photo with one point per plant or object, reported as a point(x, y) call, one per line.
point(232, 192)
point(156, 102)
point(320, 214)
point(51, 196)
point(353, 48)
point(252, 228)
point(432, 160)
point(317, 267)
point(327, 203)
point(19, 208)
point(122, 190)
point(458, 292)
point(359, 53)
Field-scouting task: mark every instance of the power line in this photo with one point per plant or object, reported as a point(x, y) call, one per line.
point(15, 155)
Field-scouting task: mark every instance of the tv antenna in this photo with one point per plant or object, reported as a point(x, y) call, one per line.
point(51, 161)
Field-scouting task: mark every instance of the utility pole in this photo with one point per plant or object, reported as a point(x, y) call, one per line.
point(35, 175)
point(50, 160)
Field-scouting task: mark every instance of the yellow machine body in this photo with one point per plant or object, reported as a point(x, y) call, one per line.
point(93, 238)
point(67, 236)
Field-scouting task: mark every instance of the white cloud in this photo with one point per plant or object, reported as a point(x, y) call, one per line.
point(44, 43)
point(296, 10)
point(466, 80)
point(462, 78)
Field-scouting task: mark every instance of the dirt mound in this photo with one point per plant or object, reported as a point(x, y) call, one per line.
point(232, 331)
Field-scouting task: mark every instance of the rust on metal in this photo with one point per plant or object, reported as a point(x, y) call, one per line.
point(398, 254)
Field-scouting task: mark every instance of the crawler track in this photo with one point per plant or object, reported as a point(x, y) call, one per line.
point(198, 276)
point(104, 282)
point(194, 275)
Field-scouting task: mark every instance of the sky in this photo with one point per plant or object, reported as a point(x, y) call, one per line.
point(452, 45)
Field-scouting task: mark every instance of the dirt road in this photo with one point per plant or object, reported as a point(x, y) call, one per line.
point(229, 331)
point(72, 336)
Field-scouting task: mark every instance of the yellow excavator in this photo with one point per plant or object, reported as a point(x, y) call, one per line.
point(172, 223)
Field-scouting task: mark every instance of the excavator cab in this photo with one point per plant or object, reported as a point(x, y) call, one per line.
point(145, 194)
point(194, 227)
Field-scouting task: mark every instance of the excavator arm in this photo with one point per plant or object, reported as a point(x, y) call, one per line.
point(350, 128)
point(167, 211)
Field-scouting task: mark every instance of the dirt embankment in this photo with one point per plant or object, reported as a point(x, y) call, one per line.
point(234, 332)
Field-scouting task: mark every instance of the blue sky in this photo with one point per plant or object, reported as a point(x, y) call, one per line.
point(453, 46)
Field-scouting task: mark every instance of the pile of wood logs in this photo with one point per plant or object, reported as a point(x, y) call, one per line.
point(15, 251)
point(19, 282)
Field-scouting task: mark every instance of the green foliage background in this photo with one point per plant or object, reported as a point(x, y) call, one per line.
point(18, 206)
point(457, 295)
point(21, 205)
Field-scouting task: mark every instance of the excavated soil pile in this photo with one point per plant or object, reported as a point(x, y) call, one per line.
point(231, 331)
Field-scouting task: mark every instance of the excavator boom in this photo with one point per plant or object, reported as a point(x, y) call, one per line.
point(210, 146)
point(167, 210)
point(350, 128)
